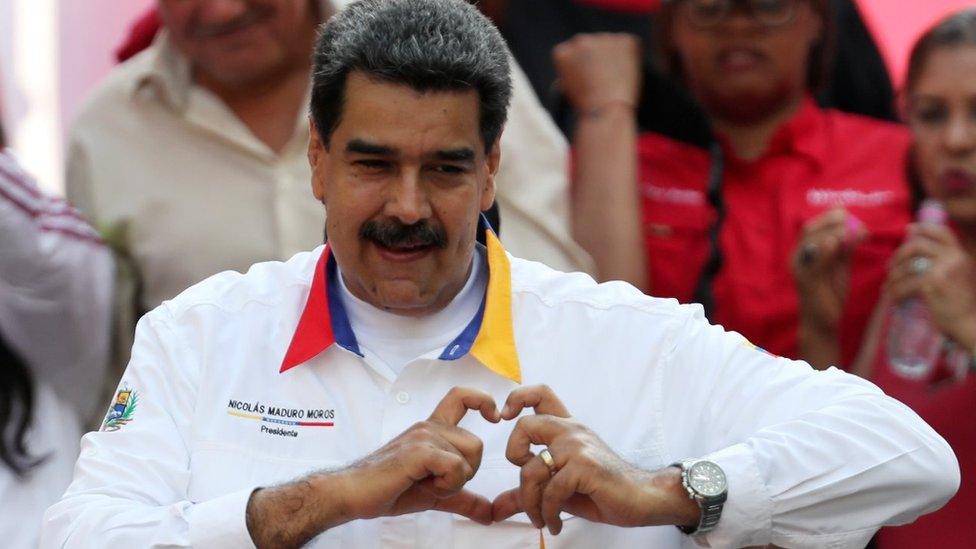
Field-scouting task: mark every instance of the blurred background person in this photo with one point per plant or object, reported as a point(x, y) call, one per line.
point(859, 82)
point(55, 290)
point(190, 158)
point(715, 219)
point(935, 269)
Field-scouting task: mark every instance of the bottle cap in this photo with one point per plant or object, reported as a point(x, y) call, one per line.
point(932, 211)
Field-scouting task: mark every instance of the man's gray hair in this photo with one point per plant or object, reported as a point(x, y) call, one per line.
point(429, 45)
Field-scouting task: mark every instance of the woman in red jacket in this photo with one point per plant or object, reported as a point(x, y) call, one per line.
point(720, 223)
point(936, 266)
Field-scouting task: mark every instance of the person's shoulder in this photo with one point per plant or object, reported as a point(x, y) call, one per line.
point(267, 285)
point(115, 92)
point(560, 292)
point(858, 128)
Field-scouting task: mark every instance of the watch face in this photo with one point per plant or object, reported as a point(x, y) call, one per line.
point(706, 478)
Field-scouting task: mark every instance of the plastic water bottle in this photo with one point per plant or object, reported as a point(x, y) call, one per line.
point(914, 342)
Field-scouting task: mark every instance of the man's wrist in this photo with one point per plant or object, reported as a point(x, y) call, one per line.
point(666, 500)
point(293, 513)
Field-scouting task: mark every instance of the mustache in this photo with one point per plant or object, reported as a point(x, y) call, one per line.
point(253, 15)
point(393, 234)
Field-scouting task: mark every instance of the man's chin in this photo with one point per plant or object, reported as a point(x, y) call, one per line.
point(402, 297)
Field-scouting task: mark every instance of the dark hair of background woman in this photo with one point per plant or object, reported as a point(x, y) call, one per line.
point(16, 403)
point(16, 410)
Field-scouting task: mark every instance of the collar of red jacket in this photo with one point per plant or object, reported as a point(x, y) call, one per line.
point(803, 134)
point(489, 337)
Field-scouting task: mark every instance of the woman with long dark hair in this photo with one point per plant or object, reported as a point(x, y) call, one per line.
point(55, 287)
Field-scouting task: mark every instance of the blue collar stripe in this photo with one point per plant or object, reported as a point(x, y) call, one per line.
point(341, 329)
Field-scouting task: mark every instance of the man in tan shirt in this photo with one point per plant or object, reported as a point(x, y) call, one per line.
point(190, 157)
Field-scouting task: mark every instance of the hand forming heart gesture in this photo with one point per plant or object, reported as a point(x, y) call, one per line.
point(578, 473)
point(426, 468)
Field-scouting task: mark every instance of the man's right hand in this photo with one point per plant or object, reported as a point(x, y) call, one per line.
point(424, 468)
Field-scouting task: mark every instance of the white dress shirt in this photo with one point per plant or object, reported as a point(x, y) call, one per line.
point(251, 380)
point(55, 290)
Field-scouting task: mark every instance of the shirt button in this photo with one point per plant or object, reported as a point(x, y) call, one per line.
point(403, 397)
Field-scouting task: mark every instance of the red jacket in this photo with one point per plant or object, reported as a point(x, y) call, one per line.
point(817, 160)
point(948, 404)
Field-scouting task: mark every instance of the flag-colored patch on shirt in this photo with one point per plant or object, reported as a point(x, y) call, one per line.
point(750, 345)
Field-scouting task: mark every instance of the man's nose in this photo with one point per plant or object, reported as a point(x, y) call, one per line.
point(408, 201)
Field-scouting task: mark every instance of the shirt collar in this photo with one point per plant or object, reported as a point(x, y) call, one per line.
point(166, 72)
point(489, 337)
point(802, 134)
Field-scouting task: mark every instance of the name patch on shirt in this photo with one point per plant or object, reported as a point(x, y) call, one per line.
point(281, 421)
point(849, 197)
point(674, 195)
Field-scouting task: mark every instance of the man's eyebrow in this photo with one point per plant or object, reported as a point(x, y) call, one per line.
point(365, 147)
point(463, 154)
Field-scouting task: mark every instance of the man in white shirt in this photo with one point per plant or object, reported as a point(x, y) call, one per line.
point(286, 406)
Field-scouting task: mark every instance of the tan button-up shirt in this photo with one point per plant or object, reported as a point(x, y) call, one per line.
point(178, 183)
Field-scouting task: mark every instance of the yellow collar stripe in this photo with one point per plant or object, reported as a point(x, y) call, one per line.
point(495, 344)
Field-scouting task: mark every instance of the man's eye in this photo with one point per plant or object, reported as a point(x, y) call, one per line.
point(371, 164)
point(449, 169)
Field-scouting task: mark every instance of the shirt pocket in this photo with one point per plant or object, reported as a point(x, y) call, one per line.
point(676, 239)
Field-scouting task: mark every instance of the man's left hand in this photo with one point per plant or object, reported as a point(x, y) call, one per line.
point(587, 478)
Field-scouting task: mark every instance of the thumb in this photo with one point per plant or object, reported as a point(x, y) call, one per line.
point(467, 504)
point(505, 505)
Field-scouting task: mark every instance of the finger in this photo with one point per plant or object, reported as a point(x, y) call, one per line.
point(560, 488)
point(532, 480)
point(931, 231)
point(505, 505)
point(820, 247)
point(919, 247)
point(467, 504)
point(467, 444)
point(537, 429)
point(448, 472)
point(829, 220)
point(453, 407)
point(903, 287)
point(539, 397)
point(821, 252)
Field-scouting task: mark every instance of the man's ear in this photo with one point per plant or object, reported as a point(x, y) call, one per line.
point(318, 156)
point(494, 160)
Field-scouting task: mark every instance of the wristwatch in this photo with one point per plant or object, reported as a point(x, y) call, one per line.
point(706, 484)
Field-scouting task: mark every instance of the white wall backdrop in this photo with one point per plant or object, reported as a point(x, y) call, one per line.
point(52, 52)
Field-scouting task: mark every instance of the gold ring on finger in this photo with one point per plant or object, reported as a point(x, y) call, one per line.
point(546, 456)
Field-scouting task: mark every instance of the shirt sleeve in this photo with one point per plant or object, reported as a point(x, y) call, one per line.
point(813, 459)
point(55, 288)
point(130, 487)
